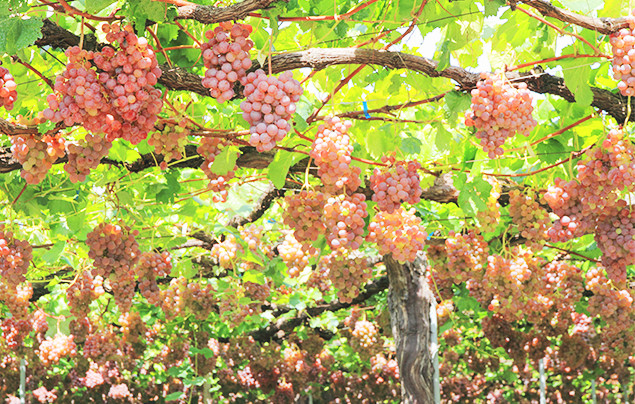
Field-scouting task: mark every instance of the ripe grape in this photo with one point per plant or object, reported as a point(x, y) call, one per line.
point(398, 183)
point(85, 156)
point(53, 349)
point(81, 293)
point(36, 154)
point(293, 254)
point(531, 218)
point(268, 107)
point(42, 395)
point(170, 142)
point(209, 148)
point(331, 151)
point(119, 391)
point(344, 221)
point(489, 218)
point(113, 248)
point(498, 111)
point(400, 234)
point(303, 214)
point(347, 272)
point(8, 93)
point(226, 57)
point(15, 257)
point(623, 46)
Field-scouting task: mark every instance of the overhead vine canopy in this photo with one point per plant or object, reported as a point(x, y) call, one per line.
point(263, 201)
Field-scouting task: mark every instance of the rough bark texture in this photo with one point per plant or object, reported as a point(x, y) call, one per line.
point(211, 14)
point(409, 299)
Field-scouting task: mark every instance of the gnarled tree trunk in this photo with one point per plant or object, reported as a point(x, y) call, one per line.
point(409, 299)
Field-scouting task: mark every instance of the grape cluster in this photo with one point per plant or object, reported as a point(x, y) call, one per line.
point(226, 251)
point(531, 218)
point(123, 284)
point(151, 266)
point(268, 107)
point(331, 151)
point(303, 214)
point(36, 155)
point(170, 142)
point(615, 237)
point(42, 395)
point(400, 234)
point(92, 379)
point(347, 273)
point(119, 101)
point(498, 111)
point(81, 293)
point(199, 299)
point(623, 44)
point(14, 331)
point(8, 86)
point(365, 336)
point(209, 148)
point(15, 257)
point(226, 57)
point(85, 156)
point(294, 255)
point(16, 298)
point(101, 346)
point(399, 183)
point(119, 391)
point(113, 248)
point(344, 220)
point(52, 349)
point(489, 218)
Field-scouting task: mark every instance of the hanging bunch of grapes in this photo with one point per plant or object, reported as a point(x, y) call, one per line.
point(397, 183)
point(36, 154)
point(268, 107)
point(226, 57)
point(623, 44)
point(498, 111)
point(8, 86)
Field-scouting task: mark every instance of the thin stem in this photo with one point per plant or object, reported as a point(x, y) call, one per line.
point(571, 157)
point(554, 134)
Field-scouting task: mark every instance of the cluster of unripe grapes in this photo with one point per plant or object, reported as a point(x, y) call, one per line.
point(489, 218)
point(85, 156)
point(52, 349)
point(268, 107)
point(331, 150)
point(399, 233)
point(498, 111)
point(36, 155)
point(8, 86)
point(113, 249)
point(120, 100)
point(15, 257)
point(226, 57)
point(399, 183)
point(623, 44)
point(169, 141)
point(294, 255)
point(344, 220)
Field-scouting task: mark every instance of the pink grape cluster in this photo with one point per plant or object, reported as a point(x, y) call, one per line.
point(120, 100)
point(36, 154)
point(623, 45)
point(53, 349)
point(331, 150)
point(101, 346)
point(85, 156)
point(226, 251)
point(119, 392)
point(489, 218)
point(42, 395)
point(209, 148)
point(398, 183)
point(199, 299)
point(365, 336)
point(294, 255)
point(344, 221)
point(16, 298)
point(113, 248)
point(149, 267)
point(226, 57)
point(169, 142)
point(303, 214)
point(268, 107)
point(400, 234)
point(531, 218)
point(615, 237)
point(82, 292)
point(347, 273)
point(14, 331)
point(15, 257)
point(498, 111)
point(8, 86)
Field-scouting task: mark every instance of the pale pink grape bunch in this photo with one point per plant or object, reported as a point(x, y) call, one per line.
point(397, 183)
point(209, 148)
point(331, 150)
point(151, 266)
point(92, 379)
point(344, 221)
point(53, 349)
point(623, 45)
point(303, 214)
point(615, 237)
point(199, 299)
point(226, 57)
point(42, 395)
point(489, 218)
point(101, 346)
point(268, 107)
point(113, 248)
point(532, 219)
point(575, 220)
point(226, 251)
point(15, 257)
point(400, 234)
point(128, 76)
point(347, 272)
point(85, 155)
point(16, 298)
point(119, 391)
point(365, 336)
point(82, 292)
point(8, 86)
point(294, 255)
point(169, 142)
point(36, 154)
point(498, 111)
point(79, 96)
point(14, 331)
point(123, 285)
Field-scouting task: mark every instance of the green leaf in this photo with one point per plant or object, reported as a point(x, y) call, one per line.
point(17, 33)
point(53, 254)
point(174, 396)
point(492, 6)
point(456, 103)
point(139, 11)
point(280, 165)
point(225, 161)
point(95, 6)
point(443, 138)
point(576, 77)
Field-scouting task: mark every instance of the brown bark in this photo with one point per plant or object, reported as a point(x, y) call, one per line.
point(409, 299)
point(211, 14)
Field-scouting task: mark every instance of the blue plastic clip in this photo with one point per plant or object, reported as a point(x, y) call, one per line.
point(365, 105)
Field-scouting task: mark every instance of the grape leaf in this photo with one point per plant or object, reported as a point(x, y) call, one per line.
point(280, 165)
point(225, 161)
point(17, 33)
